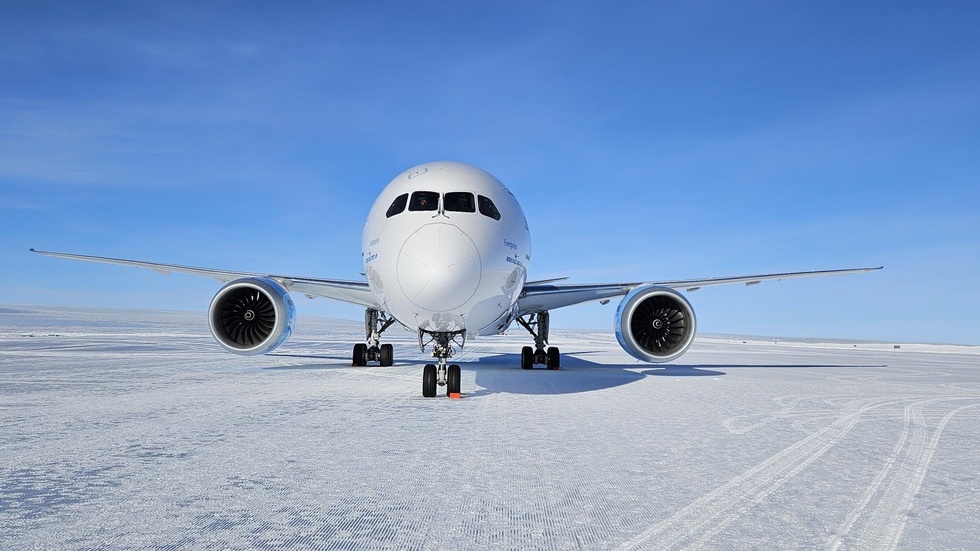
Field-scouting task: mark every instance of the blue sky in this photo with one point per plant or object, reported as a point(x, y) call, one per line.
point(645, 140)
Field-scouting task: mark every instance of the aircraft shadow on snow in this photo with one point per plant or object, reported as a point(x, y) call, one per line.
point(498, 373)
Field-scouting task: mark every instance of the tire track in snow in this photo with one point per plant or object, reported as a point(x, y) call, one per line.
point(702, 519)
point(883, 526)
point(790, 409)
point(913, 419)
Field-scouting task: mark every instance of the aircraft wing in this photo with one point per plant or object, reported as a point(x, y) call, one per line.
point(356, 292)
point(541, 297)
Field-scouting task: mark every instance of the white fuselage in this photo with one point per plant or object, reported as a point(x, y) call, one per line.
point(446, 248)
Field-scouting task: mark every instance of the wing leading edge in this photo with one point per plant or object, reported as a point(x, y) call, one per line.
point(356, 292)
point(539, 298)
point(536, 297)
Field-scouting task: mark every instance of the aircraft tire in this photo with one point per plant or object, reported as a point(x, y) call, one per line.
point(554, 358)
point(429, 381)
point(527, 358)
point(359, 357)
point(387, 355)
point(452, 380)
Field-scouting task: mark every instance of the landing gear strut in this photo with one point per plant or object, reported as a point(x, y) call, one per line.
point(375, 323)
point(537, 324)
point(442, 349)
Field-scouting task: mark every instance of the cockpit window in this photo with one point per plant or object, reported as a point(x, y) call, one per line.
point(424, 200)
point(487, 208)
point(398, 205)
point(459, 201)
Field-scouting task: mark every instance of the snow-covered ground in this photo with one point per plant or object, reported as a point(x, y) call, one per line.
point(133, 429)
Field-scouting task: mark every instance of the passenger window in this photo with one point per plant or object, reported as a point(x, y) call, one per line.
point(398, 205)
point(459, 201)
point(424, 200)
point(487, 208)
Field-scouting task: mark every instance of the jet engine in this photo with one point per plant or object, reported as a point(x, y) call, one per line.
point(655, 324)
point(251, 316)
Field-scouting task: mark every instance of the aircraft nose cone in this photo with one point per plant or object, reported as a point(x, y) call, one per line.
point(439, 267)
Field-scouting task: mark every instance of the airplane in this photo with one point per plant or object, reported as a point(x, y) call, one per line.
point(446, 251)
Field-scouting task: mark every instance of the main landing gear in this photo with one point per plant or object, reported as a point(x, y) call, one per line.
point(442, 349)
point(537, 324)
point(375, 323)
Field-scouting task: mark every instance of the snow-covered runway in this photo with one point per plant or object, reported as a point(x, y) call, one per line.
point(126, 429)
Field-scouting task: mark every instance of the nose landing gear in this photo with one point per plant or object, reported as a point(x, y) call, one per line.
point(442, 349)
point(433, 376)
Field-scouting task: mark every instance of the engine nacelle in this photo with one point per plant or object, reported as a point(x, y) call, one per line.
point(655, 324)
point(252, 316)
